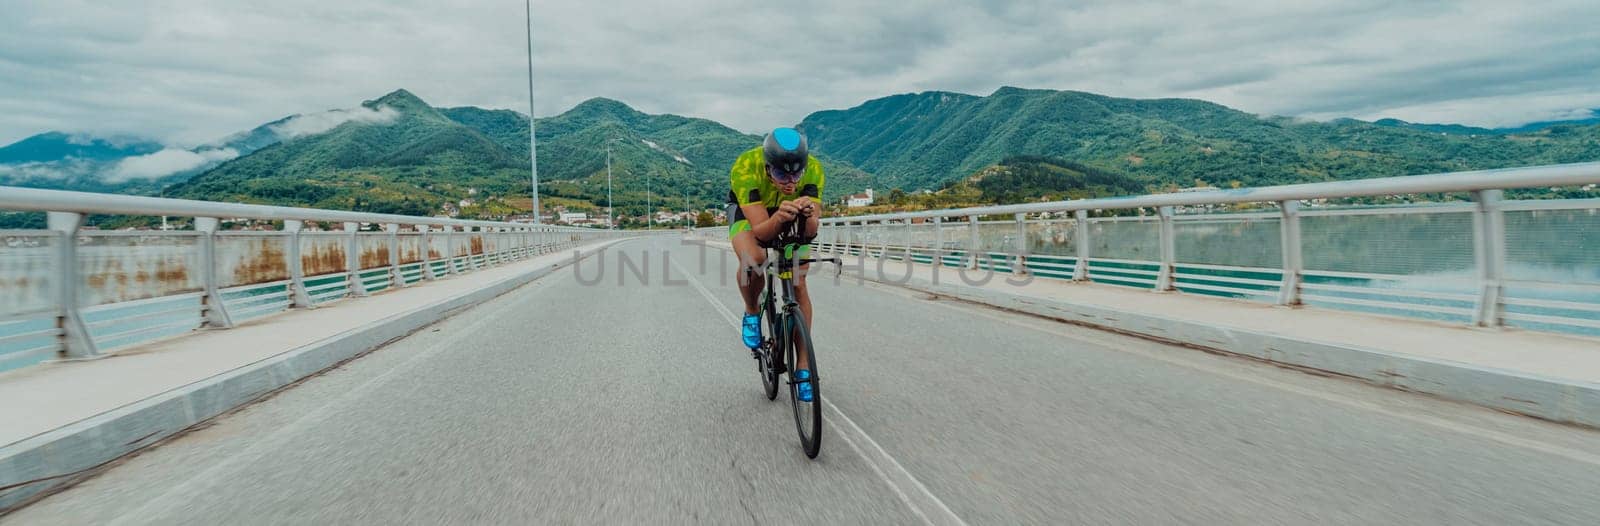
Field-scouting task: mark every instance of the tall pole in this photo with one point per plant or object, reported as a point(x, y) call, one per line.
point(649, 213)
point(611, 223)
point(533, 142)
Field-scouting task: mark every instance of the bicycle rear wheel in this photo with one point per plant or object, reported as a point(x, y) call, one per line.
point(807, 415)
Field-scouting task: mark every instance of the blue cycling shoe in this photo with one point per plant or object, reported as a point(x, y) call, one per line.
point(801, 377)
point(751, 330)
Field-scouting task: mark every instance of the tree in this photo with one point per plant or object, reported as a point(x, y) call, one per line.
point(897, 196)
point(704, 218)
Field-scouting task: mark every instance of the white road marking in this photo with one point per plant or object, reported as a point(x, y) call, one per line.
point(921, 501)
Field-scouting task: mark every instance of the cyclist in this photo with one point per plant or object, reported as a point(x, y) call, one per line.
point(773, 185)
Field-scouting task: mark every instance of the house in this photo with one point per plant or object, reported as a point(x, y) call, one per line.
point(669, 217)
point(858, 200)
point(573, 217)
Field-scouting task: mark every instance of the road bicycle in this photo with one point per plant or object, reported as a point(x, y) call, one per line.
point(785, 326)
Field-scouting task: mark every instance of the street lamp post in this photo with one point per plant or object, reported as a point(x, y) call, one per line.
point(533, 141)
point(611, 223)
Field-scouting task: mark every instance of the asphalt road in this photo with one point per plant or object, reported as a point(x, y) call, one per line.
point(566, 402)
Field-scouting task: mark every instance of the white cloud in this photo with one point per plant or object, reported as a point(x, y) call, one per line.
point(54, 170)
point(189, 71)
point(166, 162)
point(315, 123)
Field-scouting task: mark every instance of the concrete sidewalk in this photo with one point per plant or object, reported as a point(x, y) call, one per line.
point(1550, 376)
point(59, 418)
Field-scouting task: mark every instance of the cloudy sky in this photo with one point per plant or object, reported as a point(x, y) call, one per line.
point(190, 71)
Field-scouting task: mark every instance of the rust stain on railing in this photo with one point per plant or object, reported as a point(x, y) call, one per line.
point(319, 259)
point(264, 263)
point(410, 252)
point(375, 257)
point(111, 281)
point(476, 245)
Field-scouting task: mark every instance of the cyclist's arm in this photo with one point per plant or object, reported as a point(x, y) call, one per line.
point(814, 219)
point(763, 226)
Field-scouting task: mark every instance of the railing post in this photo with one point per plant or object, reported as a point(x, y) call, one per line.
point(472, 260)
point(910, 233)
point(1080, 223)
point(1490, 246)
point(491, 236)
point(849, 237)
point(352, 260)
point(396, 278)
point(1168, 256)
point(1289, 230)
point(76, 343)
point(861, 238)
point(450, 250)
point(1019, 264)
point(938, 241)
point(299, 298)
point(427, 249)
point(973, 248)
point(216, 314)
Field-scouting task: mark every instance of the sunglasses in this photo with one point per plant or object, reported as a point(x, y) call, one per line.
point(785, 177)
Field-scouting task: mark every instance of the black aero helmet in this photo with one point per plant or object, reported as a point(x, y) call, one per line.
point(785, 153)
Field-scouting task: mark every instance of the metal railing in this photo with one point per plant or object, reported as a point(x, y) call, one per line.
point(1488, 261)
point(73, 292)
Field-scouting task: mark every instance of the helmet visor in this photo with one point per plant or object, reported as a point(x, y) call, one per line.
point(786, 173)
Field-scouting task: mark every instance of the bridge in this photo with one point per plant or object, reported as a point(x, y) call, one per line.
point(1404, 350)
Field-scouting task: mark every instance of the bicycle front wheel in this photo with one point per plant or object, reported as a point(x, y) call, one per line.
point(807, 415)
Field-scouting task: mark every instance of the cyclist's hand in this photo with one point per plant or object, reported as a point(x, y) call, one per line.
point(787, 211)
point(805, 207)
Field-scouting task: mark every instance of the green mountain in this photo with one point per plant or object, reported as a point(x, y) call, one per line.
point(53, 146)
point(1593, 118)
point(1014, 180)
point(419, 158)
point(409, 158)
point(922, 140)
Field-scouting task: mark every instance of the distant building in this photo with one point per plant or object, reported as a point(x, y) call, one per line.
point(573, 217)
point(858, 200)
point(668, 217)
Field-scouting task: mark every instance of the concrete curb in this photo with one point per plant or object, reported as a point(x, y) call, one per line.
point(74, 452)
point(1557, 400)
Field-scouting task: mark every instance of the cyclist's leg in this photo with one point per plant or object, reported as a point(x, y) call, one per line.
point(751, 256)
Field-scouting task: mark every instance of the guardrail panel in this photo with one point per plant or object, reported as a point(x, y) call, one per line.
point(26, 280)
point(374, 247)
point(410, 247)
point(322, 253)
point(1558, 246)
point(1438, 244)
point(125, 266)
point(1134, 239)
point(247, 258)
point(1053, 237)
point(1222, 240)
